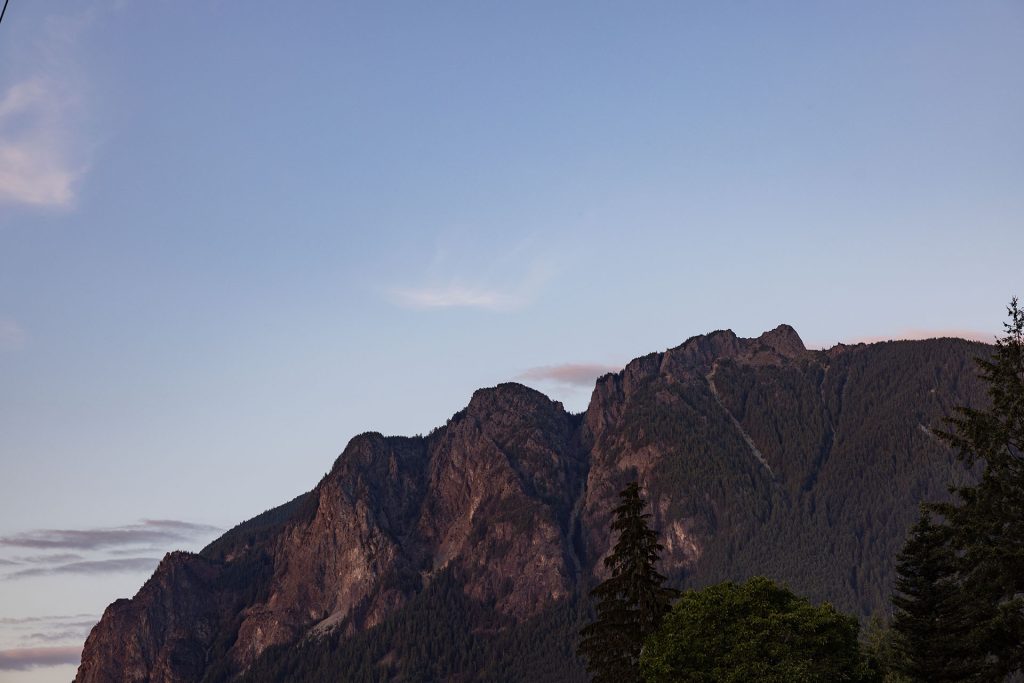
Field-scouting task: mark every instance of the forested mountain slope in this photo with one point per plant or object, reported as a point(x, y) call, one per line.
point(462, 555)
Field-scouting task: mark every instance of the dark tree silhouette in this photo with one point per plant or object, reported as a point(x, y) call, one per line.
point(932, 617)
point(632, 601)
point(963, 581)
point(989, 520)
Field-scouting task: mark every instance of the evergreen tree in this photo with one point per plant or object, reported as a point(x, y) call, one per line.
point(632, 601)
point(989, 521)
point(973, 598)
point(932, 617)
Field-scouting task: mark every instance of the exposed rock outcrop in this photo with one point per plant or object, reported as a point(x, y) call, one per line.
point(161, 634)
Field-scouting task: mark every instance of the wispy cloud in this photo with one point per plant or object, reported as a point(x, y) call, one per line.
point(47, 619)
point(23, 659)
point(149, 531)
point(12, 335)
point(108, 566)
point(47, 559)
point(186, 527)
point(51, 629)
point(510, 281)
point(44, 131)
point(571, 374)
point(36, 153)
point(135, 550)
point(76, 634)
point(456, 296)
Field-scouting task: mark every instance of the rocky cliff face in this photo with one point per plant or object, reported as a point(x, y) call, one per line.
point(486, 493)
point(757, 456)
point(163, 632)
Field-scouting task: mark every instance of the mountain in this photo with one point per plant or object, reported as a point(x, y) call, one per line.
point(466, 555)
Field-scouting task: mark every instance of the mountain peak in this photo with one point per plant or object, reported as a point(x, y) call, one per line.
point(510, 397)
point(785, 340)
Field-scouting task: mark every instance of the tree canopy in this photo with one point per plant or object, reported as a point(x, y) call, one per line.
point(753, 631)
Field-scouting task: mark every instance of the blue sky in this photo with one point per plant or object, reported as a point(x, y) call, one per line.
point(234, 235)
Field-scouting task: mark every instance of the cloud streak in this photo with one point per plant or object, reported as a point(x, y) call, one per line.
point(47, 619)
point(23, 659)
point(455, 296)
point(49, 630)
point(149, 531)
point(36, 166)
point(47, 559)
point(108, 566)
point(570, 374)
point(510, 282)
point(76, 634)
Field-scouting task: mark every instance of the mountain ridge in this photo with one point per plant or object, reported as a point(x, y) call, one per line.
point(746, 447)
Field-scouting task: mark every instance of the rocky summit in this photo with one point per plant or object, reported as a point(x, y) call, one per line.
point(468, 554)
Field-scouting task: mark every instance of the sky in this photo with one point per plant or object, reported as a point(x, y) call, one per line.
point(234, 235)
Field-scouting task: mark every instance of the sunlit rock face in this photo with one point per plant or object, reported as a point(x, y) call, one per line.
point(758, 456)
point(485, 493)
point(160, 634)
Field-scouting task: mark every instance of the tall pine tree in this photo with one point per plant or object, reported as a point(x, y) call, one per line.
point(932, 617)
point(982, 538)
point(632, 601)
point(990, 518)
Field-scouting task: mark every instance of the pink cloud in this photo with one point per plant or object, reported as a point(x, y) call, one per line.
point(574, 374)
point(26, 658)
point(973, 335)
point(36, 158)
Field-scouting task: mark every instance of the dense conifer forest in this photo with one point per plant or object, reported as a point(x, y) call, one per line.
point(440, 635)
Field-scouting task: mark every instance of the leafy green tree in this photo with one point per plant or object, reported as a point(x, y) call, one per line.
point(632, 601)
point(988, 519)
point(754, 631)
point(932, 617)
point(877, 644)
